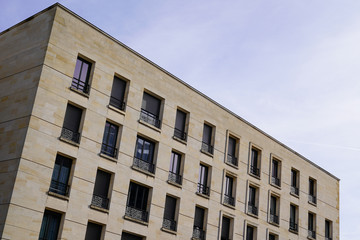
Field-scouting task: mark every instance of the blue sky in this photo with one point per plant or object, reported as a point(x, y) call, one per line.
point(289, 67)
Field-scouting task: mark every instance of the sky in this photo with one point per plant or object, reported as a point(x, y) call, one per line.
point(290, 68)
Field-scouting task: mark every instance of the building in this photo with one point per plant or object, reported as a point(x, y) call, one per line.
point(96, 143)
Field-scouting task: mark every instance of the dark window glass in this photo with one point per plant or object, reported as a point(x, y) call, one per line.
point(180, 120)
point(254, 158)
point(128, 236)
point(249, 233)
point(292, 214)
point(144, 150)
point(328, 230)
point(199, 217)
point(203, 175)
point(151, 104)
point(229, 181)
point(170, 207)
point(60, 176)
point(93, 231)
point(109, 140)
point(232, 147)
point(118, 93)
point(275, 168)
point(207, 134)
point(272, 236)
point(273, 205)
point(311, 222)
point(294, 182)
point(50, 225)
point(138, 196)
point(225, 228)
point(312, 187)
point(175, 162)
point(252, 196)
point(101, 189)
point(81, 75)
point(72, 118)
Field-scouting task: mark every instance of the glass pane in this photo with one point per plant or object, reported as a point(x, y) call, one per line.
point(77, 69)
point(180, 120)
point(118, 89)
point(84, 72)
point(207, 132)
point(232, 146)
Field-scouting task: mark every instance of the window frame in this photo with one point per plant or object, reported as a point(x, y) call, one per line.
point(175, 177)
point(57, 181)
point(295, 188)
point(68, 135)
point(101, 202)
point(275, 180)
point(98, 225)
point(252, 206)
point(312, 191)
point(230, 160)
point(44, 228)
point(275, 220)
point(254, 171)
point(178, 133)
point(148, 118)
point(173, 225)
point(207, 145)
point(141, 164)
point(85, 89)
point(145, 204)
point(203, 186)
point(114, 102)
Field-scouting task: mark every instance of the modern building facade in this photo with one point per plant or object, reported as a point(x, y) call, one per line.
point(98, 142)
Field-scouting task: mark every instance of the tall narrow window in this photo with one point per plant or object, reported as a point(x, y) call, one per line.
point(311, 225)
point(199, 226)
point(129, 236)
point(274, 209)
point(294, 189)
point(174, 171)
point(71, 126)
point(312, 190)
point(93, 231)
point(117, 98)
point(252, 204)
point(169, 221)
point(137, 202)
point(255, 162)
point(250, 232)
point(50, 225)
point(272, 236)
point(101, 190)
point(231, 155)
point(150, 110)
point(144, 155)
point(328, 230)
point(179, 131)
point(81, 77)
point(275, 172)
point(225, 228)
point(108, 146)
point(207, 145)
point(229, 196)
point(60, 177)
point(203, 187)
point(293, 223)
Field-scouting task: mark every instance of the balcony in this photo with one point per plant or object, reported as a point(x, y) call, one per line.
point(117, 103)
point(293, 226)
point(59, 188)
point(294, 190)
point(150, 118)
point(229, 200)
point(136, 214)
point(80, 86)
point(198, 233)
point(180, 134)
point(169, 224)
point(175, 178)
point(275, 181)
point(312, 199)
point(100, 201)
point(143, 165)
point(274, 218)
point(252, 209)
point(70, 135)
point(232, 160)
point(312, 234)
point(109, 150)
point(254, 170)
point(202, 189)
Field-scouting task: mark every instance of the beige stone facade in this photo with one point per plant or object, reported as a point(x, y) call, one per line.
point(37, 64)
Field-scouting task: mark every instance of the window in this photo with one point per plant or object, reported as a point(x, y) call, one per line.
point(275, 172)
point(199, 225)
point(180, 122)
point(255, 162)
point(311, 225)
point(150, 110)
point(174, 171)
point(93, 231)
point(207, 145)
point(137, 203)
point(312, 190)
point(232, 148)
point(117, 98)
point(50, 225)
point(294, 189)
point(250, 232)
point(60, 177)
point(229, 196)
point(144, 155)
point(71, 126)
point(225, 228)
point(129, 236)
point(108, 146)
point(274, 209)
point(293, 222)
point(328, 230)
point(252, 204)
point(169, 221)
point(203, 187)
point(273, 236)
point(101, 190)
point(81, 77)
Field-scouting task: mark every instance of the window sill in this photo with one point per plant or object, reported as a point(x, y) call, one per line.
point(180, 140)
point(69, 142)
point(252, 215)
point(255, 176)
point(231, 165)
point(149, 125)
point(311, 238)
point(207, 153)
point(108, 157)
point(116, 110)
point(274, 223)
point(174, 184)
point(99, 209)
point(294, 232)
point(143, 171)
point(203, 195)
point(229, 206)
point(312, 203)
point(275, 186)
point(66, 198)
point(168, 231)
point(136, 220)
point(80, 92)
point(293, 194)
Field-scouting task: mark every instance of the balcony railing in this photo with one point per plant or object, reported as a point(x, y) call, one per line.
point(150, 118)
point(175, 178)
point(312, 199)
point(294, 190)
point(143, 165)
point(169, 224)
point(117, 103)
point(293, 226)
point(312, 234)
point(198, 233)
point(59, 188)
point(180, 134)
point(275, 181)
point(100, 201)
point(274, 218)
point(254, 170)
point(109, 150)
point(135, 213)
point(80, 85)
point(207, 148)
point(252, 209)
point(328, 238)
point(70, 135)
point(202, 189)
point(229, 200)
point(232, 160)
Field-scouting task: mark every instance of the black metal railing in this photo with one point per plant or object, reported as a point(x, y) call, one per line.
point(203, 189)
point(274, 218)
point(169, 224)
point(117, 103)
point(100, 201)
point(312, 199)
point(206, 147)
point(312, 234)
point(135, 213)
point(252, 209)
point(150, 118)
point(80, 85)
point(294, 190)
point(175, 178)
point(109, 150)
point(293, 226)
point(254, 170)
point(198, 233)
point(180, 134)
point(143, 165)
point(275, 181)
point(59, 188)
point(232, 160)
point(70, 135)
point(229, 200)
point(328, 238)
